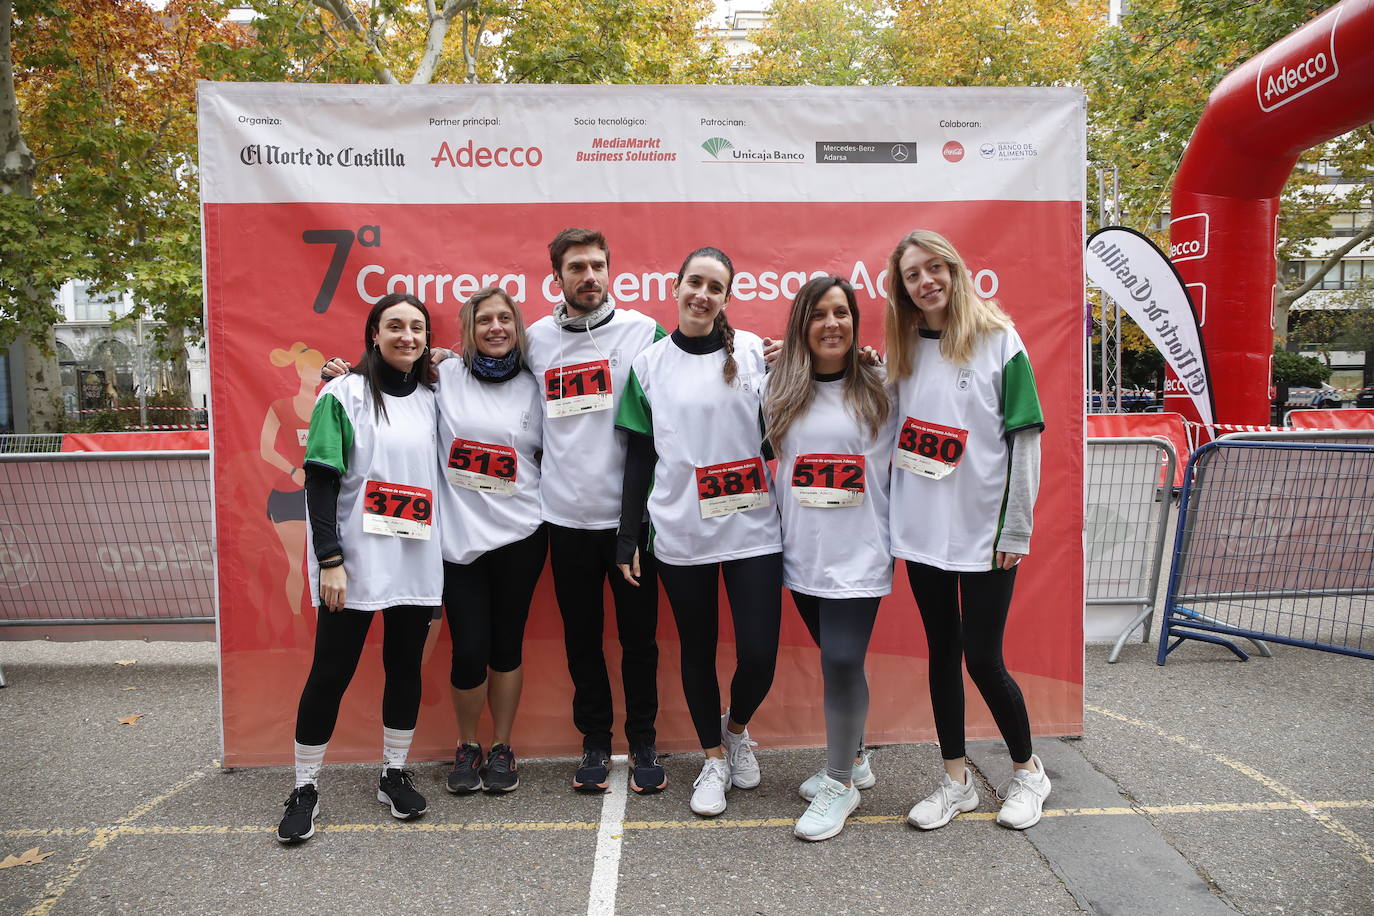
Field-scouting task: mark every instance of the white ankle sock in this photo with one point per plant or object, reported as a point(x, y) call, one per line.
point(395, 747)
point(309, 757)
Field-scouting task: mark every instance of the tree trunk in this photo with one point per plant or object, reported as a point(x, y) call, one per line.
point(43, 379)
point(180, 380)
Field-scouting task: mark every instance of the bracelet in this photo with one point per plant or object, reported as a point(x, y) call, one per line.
point(334, 563)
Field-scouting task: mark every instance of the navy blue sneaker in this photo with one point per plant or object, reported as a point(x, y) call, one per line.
point(499, 773)
point(466, 775)
point(647, 775)
point(594, 773)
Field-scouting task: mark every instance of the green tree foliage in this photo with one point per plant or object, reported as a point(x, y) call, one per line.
point(1292, 369)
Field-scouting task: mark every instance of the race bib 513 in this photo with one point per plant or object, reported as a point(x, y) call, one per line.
point(397, 510)
point(482, 466)
point(929, 449)
point(736, 486)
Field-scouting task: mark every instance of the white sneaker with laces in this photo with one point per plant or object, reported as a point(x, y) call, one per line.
point(826, 815)
point(862, 774)
point(708, 793)
point(949, 798)
point(739, 750)
point(1024, 797)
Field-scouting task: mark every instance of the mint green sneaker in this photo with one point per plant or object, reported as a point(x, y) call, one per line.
point(825, 817)
point(862, 774)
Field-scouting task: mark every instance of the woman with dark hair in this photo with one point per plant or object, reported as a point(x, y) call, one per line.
point(966, 469)
point(692, 405)
point(370, 479)
point(830, 421)
point(494, 542)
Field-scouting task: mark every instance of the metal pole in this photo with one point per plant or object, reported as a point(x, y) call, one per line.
point(142, 373)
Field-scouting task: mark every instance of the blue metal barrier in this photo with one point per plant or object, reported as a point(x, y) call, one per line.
point(1275, 542)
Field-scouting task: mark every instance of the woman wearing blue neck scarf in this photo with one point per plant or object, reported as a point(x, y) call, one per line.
point(494, 542)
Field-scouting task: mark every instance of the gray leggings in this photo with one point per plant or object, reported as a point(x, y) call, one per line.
point(841, 627)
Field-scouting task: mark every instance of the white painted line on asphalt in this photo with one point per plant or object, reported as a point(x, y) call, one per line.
point(606, 873)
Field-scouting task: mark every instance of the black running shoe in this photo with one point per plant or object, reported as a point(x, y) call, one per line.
point(499, 774)
point(397, 789)
point(594, 773)
point(466, 775)
point(647, 775)
point(298, 824)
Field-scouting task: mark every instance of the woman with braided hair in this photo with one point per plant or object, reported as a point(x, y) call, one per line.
point(693, 407)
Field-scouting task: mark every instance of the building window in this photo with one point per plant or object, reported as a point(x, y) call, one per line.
point(89, 306)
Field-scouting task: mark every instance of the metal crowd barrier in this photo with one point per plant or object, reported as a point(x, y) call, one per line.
point(105, 537)
point(1129, 491)
point(1276, 542)
point(30, 443)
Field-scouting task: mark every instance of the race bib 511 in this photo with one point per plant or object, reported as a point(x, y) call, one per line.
point(929, 449)
point(828, 481)
point(482, 466)
point(583, 388)
point(397, 510)
point(736, 486)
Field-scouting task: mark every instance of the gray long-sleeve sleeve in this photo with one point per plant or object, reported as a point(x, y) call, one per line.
point(1022, 488)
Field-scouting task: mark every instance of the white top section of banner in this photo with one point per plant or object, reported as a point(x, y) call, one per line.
point(274, 142)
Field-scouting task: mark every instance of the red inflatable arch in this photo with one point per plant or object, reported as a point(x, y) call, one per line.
point(1313, 85)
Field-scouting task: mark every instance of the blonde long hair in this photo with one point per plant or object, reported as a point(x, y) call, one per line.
point(790, 388)
point(970, 317)
point(467, 320)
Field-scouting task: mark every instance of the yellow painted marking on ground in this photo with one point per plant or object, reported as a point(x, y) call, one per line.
point(1361, 846)
point(55, 888)
point(107, 834)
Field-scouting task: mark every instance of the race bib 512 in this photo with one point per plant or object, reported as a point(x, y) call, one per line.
point(583, 388)
point(397, 510)
point(482, 466)
point(929, 449)
point(736, 486)
point(828, 481)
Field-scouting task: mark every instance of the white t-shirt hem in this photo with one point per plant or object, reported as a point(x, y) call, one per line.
point(875, 592)
point(430, 601)
point(720, 558)
point(582, 524)
point(941, 562)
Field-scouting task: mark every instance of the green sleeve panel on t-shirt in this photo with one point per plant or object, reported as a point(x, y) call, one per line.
point(659, 333)
point(1020, 402)
point(331, 434)
point(634, 413)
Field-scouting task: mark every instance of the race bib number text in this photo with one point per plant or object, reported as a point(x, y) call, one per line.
point(736, 486)
point(482, 466)
point(929, 449)
point(396, 510)
point(583, 388)
point(828, 481)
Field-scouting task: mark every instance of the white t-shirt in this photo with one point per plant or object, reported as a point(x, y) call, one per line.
point(712, 496)
point(951, 462)
point(489, 433)
point(584, 454)
point(388, 479)
point(834, 522)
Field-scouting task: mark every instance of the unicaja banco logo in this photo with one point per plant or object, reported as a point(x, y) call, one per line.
point(715, 145)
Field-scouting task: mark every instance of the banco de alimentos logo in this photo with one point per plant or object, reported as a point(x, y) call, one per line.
point(715, 145)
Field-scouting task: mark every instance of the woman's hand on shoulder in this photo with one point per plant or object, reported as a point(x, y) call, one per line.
point(334, 367)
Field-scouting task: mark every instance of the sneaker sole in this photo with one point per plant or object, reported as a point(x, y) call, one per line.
point(863, 784)
point(958, 809)
point(1026, 826)
point(647, 790)
point(696, 810)
point(293, 840)
point(465, 790)
point(829, 833)
point(590, 788)
point(501, 790)
point(758, 778)
point(395, 812)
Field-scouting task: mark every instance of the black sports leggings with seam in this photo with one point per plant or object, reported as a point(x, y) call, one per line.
point(339, 637)
point(487, 603)
point(965, 616)
point(754, 587)
point(842, 628)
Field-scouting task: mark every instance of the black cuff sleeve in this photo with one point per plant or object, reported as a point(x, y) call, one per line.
point(322, 505)
point(640, 459)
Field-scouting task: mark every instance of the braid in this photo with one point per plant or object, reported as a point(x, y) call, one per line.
point(727, 335)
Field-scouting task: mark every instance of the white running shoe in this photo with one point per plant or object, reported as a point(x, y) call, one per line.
point(862, 774)
point(939, 807)
point(1024, 797)
point(739, 750)
point(825, 817)
point(708, 794)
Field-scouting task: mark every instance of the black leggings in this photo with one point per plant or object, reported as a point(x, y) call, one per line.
point(339, 639)
point(841, 628)
point(487, 603)
point(754, 587)
point(965, 615)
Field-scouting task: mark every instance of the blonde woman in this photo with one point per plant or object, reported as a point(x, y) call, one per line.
point(831, 423)
point(966, 469)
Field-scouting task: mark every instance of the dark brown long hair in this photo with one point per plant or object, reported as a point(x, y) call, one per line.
point(370, 366)
point(722, 324)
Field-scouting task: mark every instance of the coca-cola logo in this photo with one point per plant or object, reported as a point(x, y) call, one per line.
point(1288, 74)
point(1188, 237)
point(953, 151)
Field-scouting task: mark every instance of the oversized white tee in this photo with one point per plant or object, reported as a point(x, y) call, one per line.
point(582, 374)
point(712, 496)
point(832, 481)
point(388, 482)
point(951, 462)
point(489, 434)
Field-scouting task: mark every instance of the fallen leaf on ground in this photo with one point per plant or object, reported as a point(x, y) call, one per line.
point(130, 688)
point(130, 720)
point(127, 661)
point(27, 857)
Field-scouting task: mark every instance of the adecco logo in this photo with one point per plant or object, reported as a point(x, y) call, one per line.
point(1299, 71)
point(1188, 237)
point(953, 151)
point(470, 156)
